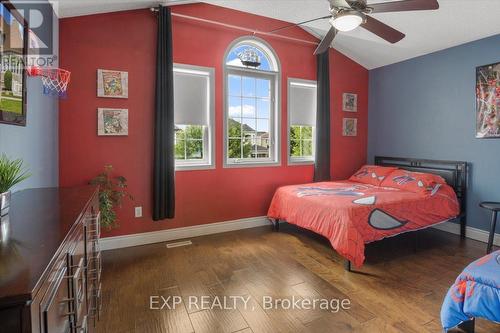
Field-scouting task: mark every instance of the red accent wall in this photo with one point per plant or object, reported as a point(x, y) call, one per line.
point(127, 41)
point(347, 153)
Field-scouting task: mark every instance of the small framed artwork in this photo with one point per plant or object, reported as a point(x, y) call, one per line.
point(113, 84)
point(350, 127)
point(350, 102)
point(488, 101)
point(112, 122)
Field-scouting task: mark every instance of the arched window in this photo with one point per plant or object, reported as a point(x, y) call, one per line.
point(251, 74)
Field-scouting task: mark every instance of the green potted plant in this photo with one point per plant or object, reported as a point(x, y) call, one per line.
point(11, 173)
point(112, 190)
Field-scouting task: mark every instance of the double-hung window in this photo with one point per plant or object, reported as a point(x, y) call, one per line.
point(301, 120)
point(194, 117)
point(251, 112)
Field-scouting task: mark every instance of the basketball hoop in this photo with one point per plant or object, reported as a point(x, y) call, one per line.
point(55, 80)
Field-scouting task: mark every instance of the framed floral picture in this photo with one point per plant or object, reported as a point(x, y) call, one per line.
point(350, 102)
point(350, 127)
point(112, 122)
point(113, 84)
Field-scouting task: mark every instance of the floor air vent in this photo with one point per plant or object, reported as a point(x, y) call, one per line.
point(177, 244)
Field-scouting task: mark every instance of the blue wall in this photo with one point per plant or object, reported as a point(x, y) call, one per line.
point(425, 108)
point(37, 143)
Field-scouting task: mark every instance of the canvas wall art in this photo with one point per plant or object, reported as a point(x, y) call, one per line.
point(112, 84)
point(350, 127)
point(112, 122)
point(350, 102)
point(488, 101)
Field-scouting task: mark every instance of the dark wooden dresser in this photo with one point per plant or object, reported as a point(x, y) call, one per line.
point(50, 262)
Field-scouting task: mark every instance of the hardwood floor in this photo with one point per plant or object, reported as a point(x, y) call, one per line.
point(397, 290)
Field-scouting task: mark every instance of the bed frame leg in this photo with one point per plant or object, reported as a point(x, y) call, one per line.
point(468, 326)
point(463, 224)
point(347, 265)
point(276, 224)
point(415, 242)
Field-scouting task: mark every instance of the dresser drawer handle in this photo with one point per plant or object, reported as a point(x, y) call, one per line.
point(94, 226)
point(52, 301)
point(96, 246)
point(96, 270)
point(97, 256)
point(94, 217)
point(77, 290)
point(99, 302)
point(83, 328)
point(96, 299)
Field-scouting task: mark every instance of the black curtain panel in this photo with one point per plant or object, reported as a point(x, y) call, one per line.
point(322, 164)
point(164, 161)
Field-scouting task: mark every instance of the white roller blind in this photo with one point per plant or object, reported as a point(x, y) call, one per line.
point(302, 99)
point(191, 97)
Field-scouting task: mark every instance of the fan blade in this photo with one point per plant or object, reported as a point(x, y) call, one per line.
point(300, 23)
point(403, 6)
point(382, 30)
point(339, 3)
point(326, 41)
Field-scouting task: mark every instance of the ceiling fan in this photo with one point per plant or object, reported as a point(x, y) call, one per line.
point(347, 15)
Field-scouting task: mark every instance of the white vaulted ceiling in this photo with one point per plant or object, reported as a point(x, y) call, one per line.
point(455, 22)
point(70, 8)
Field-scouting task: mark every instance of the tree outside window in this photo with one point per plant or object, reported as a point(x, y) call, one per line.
point(189, 143)
point(301, 141)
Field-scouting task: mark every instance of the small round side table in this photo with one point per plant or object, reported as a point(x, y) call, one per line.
point(495, 208)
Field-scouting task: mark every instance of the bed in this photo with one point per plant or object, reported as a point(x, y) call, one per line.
point(475, 293)
point(351, 214)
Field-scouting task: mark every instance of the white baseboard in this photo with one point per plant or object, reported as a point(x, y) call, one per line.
point(118, 242)
point(470, 232)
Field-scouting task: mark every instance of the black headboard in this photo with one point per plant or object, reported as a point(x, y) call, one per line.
point(454, 172)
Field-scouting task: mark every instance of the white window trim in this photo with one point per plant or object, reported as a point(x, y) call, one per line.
point(276, 119)
point(209, 134)
point(298, 160)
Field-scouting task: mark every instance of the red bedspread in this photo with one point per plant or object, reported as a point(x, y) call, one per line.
point(352, 214)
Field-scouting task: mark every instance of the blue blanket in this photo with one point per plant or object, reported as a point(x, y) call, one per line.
point(475, 293)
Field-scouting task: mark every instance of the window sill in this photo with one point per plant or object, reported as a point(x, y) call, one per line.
point(191, 167)
point(251, 164)
point(293, 162)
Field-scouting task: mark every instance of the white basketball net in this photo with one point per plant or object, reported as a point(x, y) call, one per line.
point(55, 80)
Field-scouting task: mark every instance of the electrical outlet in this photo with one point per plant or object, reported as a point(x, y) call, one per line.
point(138, 211)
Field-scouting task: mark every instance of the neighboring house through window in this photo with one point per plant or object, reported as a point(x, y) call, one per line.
point(301, 120)
point(251, 104)
point(194, 117)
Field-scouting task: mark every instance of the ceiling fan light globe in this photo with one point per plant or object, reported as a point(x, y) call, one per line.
point(347, 21)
